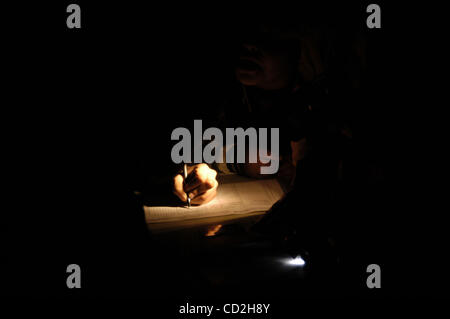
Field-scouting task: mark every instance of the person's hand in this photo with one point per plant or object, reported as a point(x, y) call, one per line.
point(201, 184)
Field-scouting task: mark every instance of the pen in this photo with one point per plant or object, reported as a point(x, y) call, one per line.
point(185, 176)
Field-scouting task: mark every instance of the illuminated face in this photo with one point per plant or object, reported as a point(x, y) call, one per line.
point(266, 62)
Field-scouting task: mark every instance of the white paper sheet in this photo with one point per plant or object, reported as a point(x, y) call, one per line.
point(235, 195)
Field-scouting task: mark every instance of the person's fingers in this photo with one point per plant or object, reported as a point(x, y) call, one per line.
point(197, 168)
point(208, 184)
point(178, 187)
point(205, 197)
point(193, 183)
point(200, 176)
point(200, 185)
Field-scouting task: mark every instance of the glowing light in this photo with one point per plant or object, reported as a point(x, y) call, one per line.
point(297, 261)
point(212, 231)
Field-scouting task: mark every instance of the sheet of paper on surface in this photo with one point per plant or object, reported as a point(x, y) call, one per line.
point(235, 195)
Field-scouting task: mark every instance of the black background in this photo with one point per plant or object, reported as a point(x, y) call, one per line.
point(75, 102)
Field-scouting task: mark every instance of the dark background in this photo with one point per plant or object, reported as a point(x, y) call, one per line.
point(78, 105)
